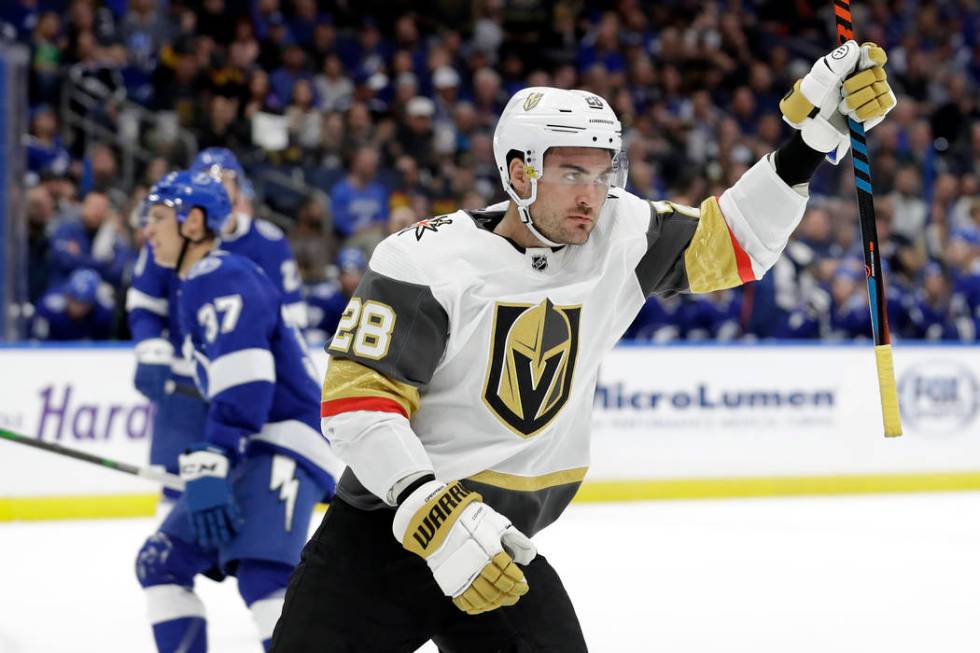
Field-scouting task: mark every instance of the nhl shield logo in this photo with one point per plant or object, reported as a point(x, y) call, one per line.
point(539, 262)
point(532, 361)
point(532, 100)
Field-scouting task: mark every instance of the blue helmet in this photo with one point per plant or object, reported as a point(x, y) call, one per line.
point(185, 190)
point(215, 160)
point(83, 285)
point(351, 259)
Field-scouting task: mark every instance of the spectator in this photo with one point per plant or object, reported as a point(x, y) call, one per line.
point(45, 152)
point(312, 240)
point(143, 31)
point(332, 85)
point(359, 203)
point(930, 311)
point(222, 127)
point(303, 120)
point(40, 214)
point(90, 239)
point(401, 218)
point(82, 309)
point(179, 83)
point(100, 172)
point(415, 133)
point(292, 70)
point(910, 209)
point(46, 56)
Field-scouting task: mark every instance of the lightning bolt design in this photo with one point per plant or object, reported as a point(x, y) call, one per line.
point(283, 478)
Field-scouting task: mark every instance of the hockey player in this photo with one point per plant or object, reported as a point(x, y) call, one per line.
point(165, 378)
point(82, 309)
point(259, 240)
point(261, 464)
point(463, 371)
point(326, 301)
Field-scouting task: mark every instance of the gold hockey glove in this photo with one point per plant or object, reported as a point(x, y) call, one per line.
point(818, 103)
point(867, 95)
point(471, 549)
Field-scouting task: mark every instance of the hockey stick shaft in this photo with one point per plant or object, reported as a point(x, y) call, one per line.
point(872, 260)
point(168, 480)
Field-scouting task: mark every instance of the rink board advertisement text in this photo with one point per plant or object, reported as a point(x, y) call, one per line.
point(669, 422)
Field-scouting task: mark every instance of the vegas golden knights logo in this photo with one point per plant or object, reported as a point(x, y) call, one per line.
point(532, 100)
point(532, 360)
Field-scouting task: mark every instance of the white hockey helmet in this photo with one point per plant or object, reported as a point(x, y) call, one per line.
point(538, 118)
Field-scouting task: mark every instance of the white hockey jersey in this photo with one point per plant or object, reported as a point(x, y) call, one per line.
point(488, 354)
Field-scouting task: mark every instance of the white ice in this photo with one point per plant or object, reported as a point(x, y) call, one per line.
point(889, 574)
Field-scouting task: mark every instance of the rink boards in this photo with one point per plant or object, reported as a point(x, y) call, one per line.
point(681, 421)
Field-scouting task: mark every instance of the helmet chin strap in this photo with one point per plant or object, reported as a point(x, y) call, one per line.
point(208, 233)
point(524, 211)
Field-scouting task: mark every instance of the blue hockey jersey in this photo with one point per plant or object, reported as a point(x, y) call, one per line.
point(71, 249)
point(51, 320)
point(265, 243)
point(151, 301)
point(251, 366)
point(325, 304)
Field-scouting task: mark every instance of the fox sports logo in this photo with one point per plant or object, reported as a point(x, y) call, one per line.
point(939, 396)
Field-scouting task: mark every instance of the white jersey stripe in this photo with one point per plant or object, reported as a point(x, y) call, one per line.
point(266, 613)
point(298, 436)
point(136, 299)
point(169, 602)
point(236, 368)
point(295, 314)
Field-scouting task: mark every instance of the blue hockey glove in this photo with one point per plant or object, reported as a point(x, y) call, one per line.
point(214, 516)
point(153, 357)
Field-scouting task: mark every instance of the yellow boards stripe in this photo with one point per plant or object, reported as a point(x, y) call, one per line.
point(78, 507)
point(712, 488)
point(144, 505)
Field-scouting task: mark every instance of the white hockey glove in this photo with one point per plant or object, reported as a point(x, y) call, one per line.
point(153, 358)
point(818, 103)
point(470, 548)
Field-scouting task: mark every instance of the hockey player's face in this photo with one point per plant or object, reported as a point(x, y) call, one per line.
point(571, 193)
point(162, 234)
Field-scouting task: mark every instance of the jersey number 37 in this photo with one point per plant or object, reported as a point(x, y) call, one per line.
point(365, 326)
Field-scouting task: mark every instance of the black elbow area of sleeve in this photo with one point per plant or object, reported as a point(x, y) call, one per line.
point(796, 161)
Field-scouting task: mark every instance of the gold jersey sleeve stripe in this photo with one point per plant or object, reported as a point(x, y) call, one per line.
point(347, 379)
point(530, 483)
point(714, 260)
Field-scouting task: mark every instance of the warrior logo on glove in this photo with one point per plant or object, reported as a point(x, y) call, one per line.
point(532, 360)
point(451, 500)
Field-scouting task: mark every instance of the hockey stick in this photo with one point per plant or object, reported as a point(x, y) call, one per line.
point(168, 480)
point(872, 262)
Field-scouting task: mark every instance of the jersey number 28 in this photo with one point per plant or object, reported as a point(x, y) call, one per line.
point(367, 326)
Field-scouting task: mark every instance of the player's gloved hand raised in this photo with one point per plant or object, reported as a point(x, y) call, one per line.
point(214, 515)
point(471, 548)
point(153, 357)
point(818, 103)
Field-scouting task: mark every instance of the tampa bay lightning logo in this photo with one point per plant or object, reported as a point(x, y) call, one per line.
point(940, 396)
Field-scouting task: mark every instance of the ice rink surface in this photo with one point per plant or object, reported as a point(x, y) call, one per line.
point(889, 574)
